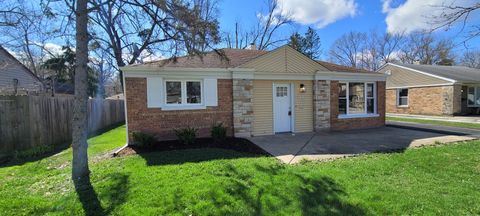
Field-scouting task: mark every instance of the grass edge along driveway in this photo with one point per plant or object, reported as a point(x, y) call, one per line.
point(431, 180)
point(436, 122)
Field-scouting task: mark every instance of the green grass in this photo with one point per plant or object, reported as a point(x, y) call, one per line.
point(436, 122)
point(435, 180)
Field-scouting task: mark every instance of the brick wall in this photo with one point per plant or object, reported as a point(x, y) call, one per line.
point(160, 123)
point(438, 100)
point(356, 123)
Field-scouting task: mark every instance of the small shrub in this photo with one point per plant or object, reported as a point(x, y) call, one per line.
point(219, 132)
point(186, 135)
point(142, 139)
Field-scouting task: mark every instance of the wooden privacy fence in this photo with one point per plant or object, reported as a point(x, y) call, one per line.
point(31, 121)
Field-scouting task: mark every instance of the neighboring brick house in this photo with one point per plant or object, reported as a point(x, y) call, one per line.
point(252, 93)
point(15, 78)
point(432, 89)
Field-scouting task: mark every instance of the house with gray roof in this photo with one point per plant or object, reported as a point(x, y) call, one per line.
point(15, 78)
point(432, 89)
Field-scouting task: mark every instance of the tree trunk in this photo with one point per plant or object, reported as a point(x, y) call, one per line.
point(80, 123)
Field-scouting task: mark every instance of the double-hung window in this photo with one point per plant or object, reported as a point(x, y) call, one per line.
point(357, 99)
point(183, 92)
point(473, 96)
point(402, 97)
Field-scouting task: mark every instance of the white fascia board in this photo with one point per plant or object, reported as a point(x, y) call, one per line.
point(349, 76)
point(242, 75)
point(420, 86)
point(425, 73)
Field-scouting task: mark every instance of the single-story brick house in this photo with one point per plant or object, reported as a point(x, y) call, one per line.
point(251, 92)
point(432, 89)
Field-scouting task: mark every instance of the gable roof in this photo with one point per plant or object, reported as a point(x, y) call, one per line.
point(449, 73)
point(15, 77)
point(222, 58)
point(17, 62)
point(284, 59)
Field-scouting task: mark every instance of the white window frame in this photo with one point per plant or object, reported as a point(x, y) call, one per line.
point(364, 114)
point(183, 104)
point(475, 104)
point(398, 97)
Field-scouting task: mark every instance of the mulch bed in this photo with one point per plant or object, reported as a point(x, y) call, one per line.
point(230, 143)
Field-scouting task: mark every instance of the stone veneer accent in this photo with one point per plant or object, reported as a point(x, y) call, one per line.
point(321, 102)
point(243, 107)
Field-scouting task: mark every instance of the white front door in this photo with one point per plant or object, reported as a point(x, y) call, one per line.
point(282, 108)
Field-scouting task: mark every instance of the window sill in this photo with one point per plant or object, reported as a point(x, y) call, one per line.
point(358, 116)
point(402, 106)
point(184, 107)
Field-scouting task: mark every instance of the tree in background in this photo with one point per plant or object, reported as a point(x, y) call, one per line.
point(457, 12)
point(371, 51)
point(130, 30)
point(63, 68)
point(264, 33)
point(471, 59)
point(309, 44)
point(423, 48)
point(347, 49)
point(25, 29)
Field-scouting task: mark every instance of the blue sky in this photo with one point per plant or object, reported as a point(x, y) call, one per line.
point(361, 15)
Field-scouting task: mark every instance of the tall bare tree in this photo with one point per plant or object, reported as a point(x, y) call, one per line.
point(423, 48)
point(80, 168)
point(264, 32)
point(456, 13)
point(380, 49)
point(126, 29)
point(347, 49)
point(25, 28)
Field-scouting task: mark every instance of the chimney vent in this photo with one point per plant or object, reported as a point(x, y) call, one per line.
point(252, 46)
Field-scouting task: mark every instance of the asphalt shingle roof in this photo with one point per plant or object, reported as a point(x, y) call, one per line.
point(457, 73)
point(224, 58)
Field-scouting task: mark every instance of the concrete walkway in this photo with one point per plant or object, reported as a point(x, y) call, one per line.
point(292, 149)
point(465, 119)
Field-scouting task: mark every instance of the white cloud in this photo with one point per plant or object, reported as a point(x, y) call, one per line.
point(414, 15)
point(317, 12)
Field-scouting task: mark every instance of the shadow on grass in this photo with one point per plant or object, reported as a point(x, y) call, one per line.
point(11, 159)
point(192, 156)
point(275, 190)
point(114, 196)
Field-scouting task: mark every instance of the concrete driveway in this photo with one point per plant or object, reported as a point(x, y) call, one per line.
point(290, 148)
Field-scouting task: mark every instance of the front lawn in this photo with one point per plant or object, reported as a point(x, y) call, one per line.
point(436, 122)
point(435, 180)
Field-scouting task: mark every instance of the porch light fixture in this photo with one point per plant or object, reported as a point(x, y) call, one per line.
point(302, 88)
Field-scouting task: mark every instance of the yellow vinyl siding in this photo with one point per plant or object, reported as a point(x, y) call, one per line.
point(401, 77)
point(284, 60)
point(304, 107)
point(263, 106)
